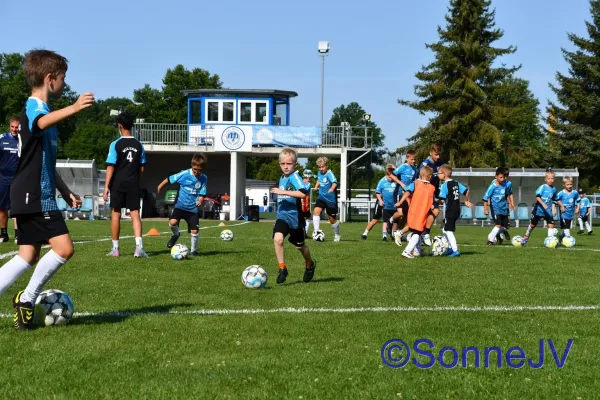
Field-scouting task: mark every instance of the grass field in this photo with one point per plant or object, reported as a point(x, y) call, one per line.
point(159, 328)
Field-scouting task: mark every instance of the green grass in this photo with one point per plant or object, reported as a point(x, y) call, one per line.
point(130, 346)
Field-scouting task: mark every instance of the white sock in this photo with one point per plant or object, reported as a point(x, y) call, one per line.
point(414, 241)
point(116, 244)
point(138, 242)
point(336, 228)
point(550, 232)
point(529, 230)
point(366, 232)
point(452, 240)
point(316, 222)
point(567, 232)
point(493, 233)
point(44, 270)
point(384, 234)
point(195, 238)
point(11, 271)
point(174, 229)
point(306, 225)
point(588, 226)
point(580, 224)
point(420, 246)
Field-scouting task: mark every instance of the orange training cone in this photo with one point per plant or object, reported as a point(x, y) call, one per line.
point(153, 232)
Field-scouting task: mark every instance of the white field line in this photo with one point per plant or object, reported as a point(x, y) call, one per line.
point(12, 253)
point(302, 310)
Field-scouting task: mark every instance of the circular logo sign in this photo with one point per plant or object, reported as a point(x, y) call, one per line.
point(233, 138)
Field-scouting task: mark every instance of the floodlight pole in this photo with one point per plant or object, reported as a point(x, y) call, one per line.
point(322, 86)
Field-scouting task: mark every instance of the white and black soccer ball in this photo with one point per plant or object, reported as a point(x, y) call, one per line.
point(254, 277)
point(318, 236)
point(439, 246)
point(53, 307)
point(227, 235)
point(179, 251)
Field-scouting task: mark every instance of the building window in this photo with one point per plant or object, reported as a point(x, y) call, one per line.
point(228, 115)
point(245, 112)
point(212, 114)
point(260, 115)
point(195, 112)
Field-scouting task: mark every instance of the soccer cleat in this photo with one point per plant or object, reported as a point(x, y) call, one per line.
point(113, 253)
point(364, 237)
point(490, 243)
point(590, 232)
point(337, 238)
point(407, 255)
point(427, 239)
point(283, 273)
point(384, 239)
point(524, 241)
point(194, 253)
point(173, 240)
point(23, 315)
point(398, 238)
point(4, 238)
point(506, 234)
point(455, 254)
point(449, 251)
point(16, 240)
point(579, 232)
point(309, 272)
point(140, 253)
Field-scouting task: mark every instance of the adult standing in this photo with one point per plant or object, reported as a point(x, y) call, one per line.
point(9, 160)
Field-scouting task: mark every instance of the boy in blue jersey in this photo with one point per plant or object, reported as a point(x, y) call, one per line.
point(584, 212)
point(567, 200)
point(290, 192)
point(450, 195)
point(9, 161)
point(496, 203)
point(124, 167)
point(386, 199)
point(545, 196)
point(33, 190)
point(326, 184)
point(433, 162)
point(192, 189)
point(404, 175)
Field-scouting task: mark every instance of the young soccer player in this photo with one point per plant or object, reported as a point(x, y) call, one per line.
point(567, 200)
point(290, 192)
point(422, 193)
point(450, 195)
point(386, 202)
point(404, 175)
point(35, 183)
point(192, 189)
point(326, 184)
point(545, 196)
point(433, 162)
point(584, 212)
point(496, 203)
point(306, 217)
point(124, 166)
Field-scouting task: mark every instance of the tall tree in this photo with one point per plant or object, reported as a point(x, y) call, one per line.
point(467, 95)
point(575, 120)
point(13, 86)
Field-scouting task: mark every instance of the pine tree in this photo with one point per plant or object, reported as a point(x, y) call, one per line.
point(575, 124)
point(474, 104)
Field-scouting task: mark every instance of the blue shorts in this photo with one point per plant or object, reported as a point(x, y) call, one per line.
point(4, 197)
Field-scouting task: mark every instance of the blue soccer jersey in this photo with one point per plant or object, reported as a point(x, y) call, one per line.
point(325, 182)
point(406, 173)
point(584, 206)
point(498, 196)
point(435, 181)
point(190, 188)
point(569, 200)
point(9, 157)
point(289, 208)
point(387, 189)
point(548, 195)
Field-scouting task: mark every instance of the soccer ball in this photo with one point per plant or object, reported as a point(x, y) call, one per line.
point(319, 236)
point(179, 251)
point(227, 235)
point(551, 242)
point(568, 241)
point(439, 246)
point(517, 241)
point(53, 307)
point(254, 277)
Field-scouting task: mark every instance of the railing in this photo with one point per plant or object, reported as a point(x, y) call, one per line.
point(195, 135)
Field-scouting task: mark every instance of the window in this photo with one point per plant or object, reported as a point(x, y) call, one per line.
point(219, 111)
point(253, 112)
point(245, 112)
point(228, 114)
point(195, 112)
point(260, 115)
point(212, 114)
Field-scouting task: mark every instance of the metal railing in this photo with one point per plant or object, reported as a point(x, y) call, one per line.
point(357, 137)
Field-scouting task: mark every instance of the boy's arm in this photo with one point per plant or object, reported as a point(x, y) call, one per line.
point(511, 201)
point(333, 187)
point(53, 118)
point(160, 185)
point(109, 173)
point(72, 199)
point(540, 201)
point(403, 199)
point(397, 180)
point(298, 194)
point(467, 202)
point(378, 195)
point(562, 206)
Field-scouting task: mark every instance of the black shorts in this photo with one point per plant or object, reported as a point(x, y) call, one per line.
point(501, 220)
point(583, 218)
point(450, 224)
point(192, 219)
point(296, 235)
point(377, 211)
point(331, 211)
point(565, 223)
point(305, 214)
point(4, 197)
point(387, 214)
point(129, 199)
point(536, 218)
point(404, 207)
point(39, 228)
point(436, 205)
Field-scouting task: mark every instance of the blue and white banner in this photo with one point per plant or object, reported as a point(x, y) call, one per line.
point(292, 136)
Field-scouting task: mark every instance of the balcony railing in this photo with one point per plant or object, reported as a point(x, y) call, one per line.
point(357, 137)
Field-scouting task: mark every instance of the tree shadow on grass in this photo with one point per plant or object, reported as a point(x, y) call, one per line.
point(120, 316)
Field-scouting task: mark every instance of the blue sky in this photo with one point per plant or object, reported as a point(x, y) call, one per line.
point(115, 47)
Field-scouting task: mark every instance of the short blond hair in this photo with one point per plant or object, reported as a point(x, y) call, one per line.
point(568, 179)
point(446, 168)
point(287, 152)
point(550, 172)
point(322, 161)
point(426, 173)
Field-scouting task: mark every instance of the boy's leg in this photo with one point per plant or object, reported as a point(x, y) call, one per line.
point(195, 237)
point(580, 220)
point(532, 224)
point(449, 229)
point(370, 226)
point(18, 265)
point(280, 230)
point(384, 229)
point(175, 217)
point(4, 226)
point(412, 243)
point(193, 222)
point(430, 220)
point(297, 239)
point(551, 229)
point(136, 220)
point(317, 219)
point(335, 224)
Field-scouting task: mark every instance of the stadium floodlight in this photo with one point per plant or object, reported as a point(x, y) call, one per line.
point(323, 49)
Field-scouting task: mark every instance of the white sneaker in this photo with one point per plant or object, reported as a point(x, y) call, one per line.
point(416, 253)
point(426, 240)
point(398, 238)
point(337, 238)
point(407, 255)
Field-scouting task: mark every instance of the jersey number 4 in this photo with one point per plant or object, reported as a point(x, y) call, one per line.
point(130, 156)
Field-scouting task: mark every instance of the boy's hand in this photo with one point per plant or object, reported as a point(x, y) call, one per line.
point(562, 209)
point(84, 101)
point(511, 207)
point(276, 191)
point(74, 201)
point(545, 206)
point(199, 201)
point(469, 205)
point(105, 195)
point(381, 203)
